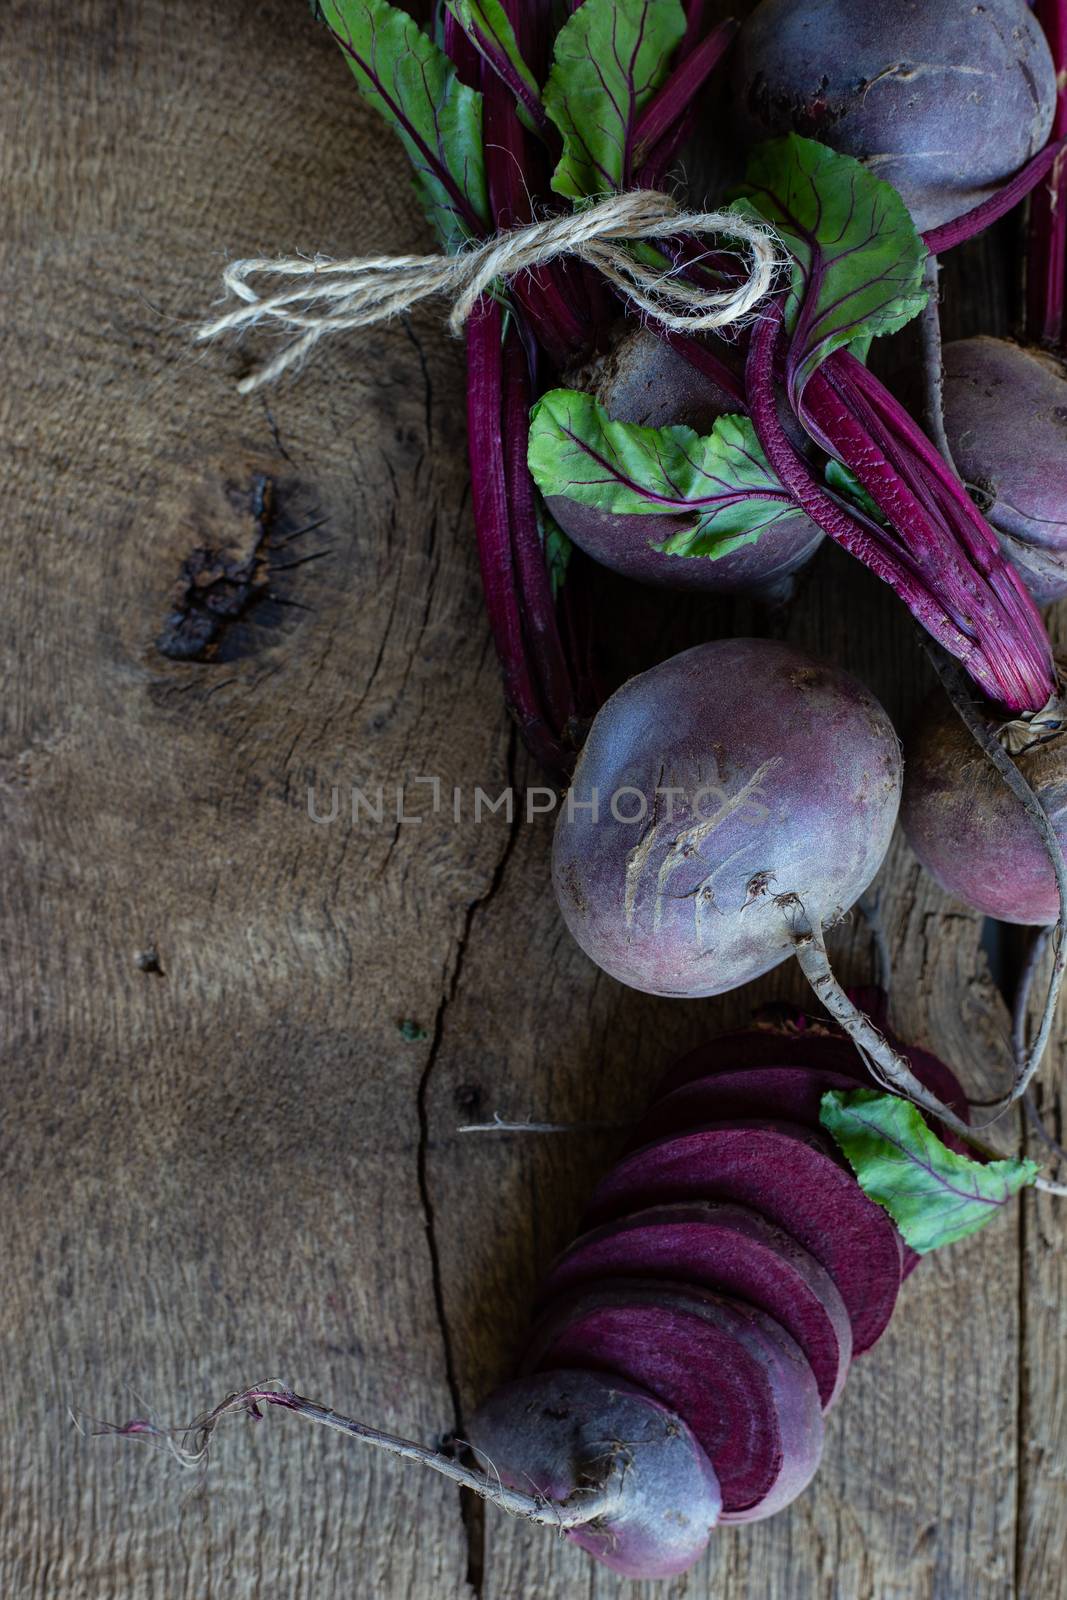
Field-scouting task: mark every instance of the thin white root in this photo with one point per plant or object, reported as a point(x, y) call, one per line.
point(585, 1505)
point(932, 362)
point(891, 1069)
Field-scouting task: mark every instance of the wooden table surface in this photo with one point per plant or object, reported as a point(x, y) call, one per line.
point(240, 1159)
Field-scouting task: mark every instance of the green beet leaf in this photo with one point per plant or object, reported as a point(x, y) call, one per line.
point(857, 258)
point(413, 85)
point(721, 484)
point(933, 1195)
point(610, 58)
point(486, 24)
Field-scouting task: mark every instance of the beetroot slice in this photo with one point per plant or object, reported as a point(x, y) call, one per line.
point(730, 1250)
point(789, 1176)
point(760, 1048)
point(763, 1047)
point(790, 1094)
point(727, 1370)
point(793, 1094)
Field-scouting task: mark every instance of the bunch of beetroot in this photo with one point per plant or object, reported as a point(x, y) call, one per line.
point(721, 461)
point(725, 475)
point(820, 426)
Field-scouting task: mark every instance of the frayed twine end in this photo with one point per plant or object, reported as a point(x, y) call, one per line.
point(319, 296)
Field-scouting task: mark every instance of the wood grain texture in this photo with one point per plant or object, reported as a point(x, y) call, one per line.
point(1043, 1372)
point(241, 1165)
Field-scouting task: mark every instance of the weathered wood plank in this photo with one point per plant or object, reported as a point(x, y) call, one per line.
point(240, 1166)
point(213, 1173)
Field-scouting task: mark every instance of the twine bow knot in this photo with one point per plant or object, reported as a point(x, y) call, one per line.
point(320, 297)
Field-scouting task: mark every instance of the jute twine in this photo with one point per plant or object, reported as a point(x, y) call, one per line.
point(320, 297)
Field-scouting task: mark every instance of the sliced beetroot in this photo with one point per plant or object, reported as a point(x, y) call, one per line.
point(729, 1250)
point(757, 1048)
point(763, 1047)
point(790, 1094)
point(726, 1369)
point(790, 1176)
point(560, 1433)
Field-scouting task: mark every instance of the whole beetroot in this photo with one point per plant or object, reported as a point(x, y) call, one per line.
point(1006, 421)
point(641, 379)
point(943, 99)
point(730, 775)
point(561, 1432)
point(969, 830)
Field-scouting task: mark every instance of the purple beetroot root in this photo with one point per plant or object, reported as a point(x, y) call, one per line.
point(726, 777)
point(1006, 422)
point(943, 99)
point(644, 380)
point(969, 830)
point(560, 1433)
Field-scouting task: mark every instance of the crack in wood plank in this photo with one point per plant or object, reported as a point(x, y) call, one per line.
point(472, 1507)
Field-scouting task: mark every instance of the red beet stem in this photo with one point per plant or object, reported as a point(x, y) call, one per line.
point(556, 322)
point(485, 395)
point(972, 223)
point(535, 585)
point(677, 95)
point(1018, 644)
point(889, 555)
point(459, 50)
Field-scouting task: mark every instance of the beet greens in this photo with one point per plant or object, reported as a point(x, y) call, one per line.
point(720, 485)
point(935, 1195)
